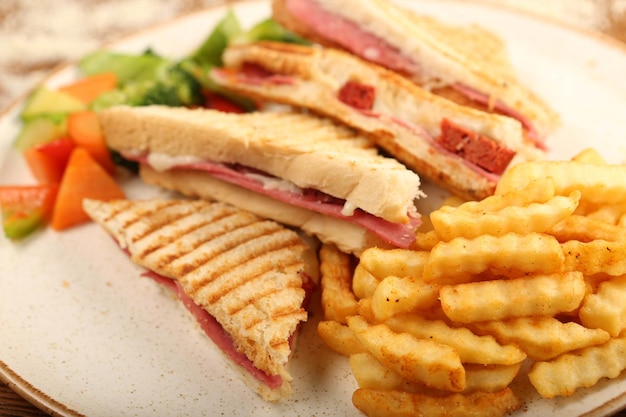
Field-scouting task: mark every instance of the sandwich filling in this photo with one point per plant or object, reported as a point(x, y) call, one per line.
point(400, 235)
point(351, 36)
point(218, 335)
point(480, 153)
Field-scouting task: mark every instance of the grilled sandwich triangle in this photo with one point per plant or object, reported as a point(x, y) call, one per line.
point(244, 271)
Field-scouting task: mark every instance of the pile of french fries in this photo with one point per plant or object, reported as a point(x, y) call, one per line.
point(534, 275)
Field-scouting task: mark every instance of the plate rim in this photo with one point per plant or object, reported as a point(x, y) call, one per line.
point(51, 406)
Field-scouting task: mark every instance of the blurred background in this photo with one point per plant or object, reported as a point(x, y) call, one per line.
point(36, 36)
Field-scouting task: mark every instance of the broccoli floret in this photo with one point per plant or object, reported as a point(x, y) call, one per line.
point(171, 85)
point(188, 89)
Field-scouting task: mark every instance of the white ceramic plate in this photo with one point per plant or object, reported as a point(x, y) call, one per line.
point(81, 333)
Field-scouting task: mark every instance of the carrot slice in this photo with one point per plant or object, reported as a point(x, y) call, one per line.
point(84, 129)
point(84, 178)
point(88, 88)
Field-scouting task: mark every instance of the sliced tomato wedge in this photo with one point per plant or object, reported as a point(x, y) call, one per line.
point(25, 208)
point(47, 161)
point(84, 178)
point(217, 102)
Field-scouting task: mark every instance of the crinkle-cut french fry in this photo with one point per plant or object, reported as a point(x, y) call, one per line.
point(426, 226)
point(370, 373)
point(598, 183)
point(586, 229)
point(589, 156)
point(538, 295)
point(606, 309)
point(377, 263)
point(509, 255)
point(489, 378)
point(403, 294)
point(399, 262)
point(339, 338)
point(338, 301)
point(539, 190)
point(583, 368)
point(484, 350)
point(365, 309)
point(425, 241)
point(363, 282)
point(542, 337)
point(379, 403)
point(416, 360)
point(586, 207)
point(597, 256)
point(453, 201)
point(609, 213)
point(622, 221)
point(535, 217)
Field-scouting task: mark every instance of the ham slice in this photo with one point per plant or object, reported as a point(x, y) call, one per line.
point(400, 235)
point(216, 332)
point(350, 36)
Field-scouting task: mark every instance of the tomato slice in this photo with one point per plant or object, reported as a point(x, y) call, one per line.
point(84, 178)
point(216, 102)
point(25, 208)
point(47, 161)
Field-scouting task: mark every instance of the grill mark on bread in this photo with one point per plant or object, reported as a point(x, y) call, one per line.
point(161, 215)
point(158, 238)
point(234, 261)
point(218, 245)
point(115, 210)
point(242, 301)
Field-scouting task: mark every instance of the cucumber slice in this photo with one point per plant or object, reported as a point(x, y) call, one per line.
point(44, 101)
point(40, 130)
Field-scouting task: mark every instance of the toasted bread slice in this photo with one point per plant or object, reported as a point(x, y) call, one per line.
point(430, 52)
point(403, 118)
point(305, 150)
point(246, 272)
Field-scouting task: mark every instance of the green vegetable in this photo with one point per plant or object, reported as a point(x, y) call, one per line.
point(148, 78)
point(210, 51)
point(40, 130)
point(227, 32)
point(269, 30)
point(44, 101)
point(164, 82)
point(127, 67)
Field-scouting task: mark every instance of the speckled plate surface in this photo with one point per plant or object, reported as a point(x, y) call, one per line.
point(82, 334)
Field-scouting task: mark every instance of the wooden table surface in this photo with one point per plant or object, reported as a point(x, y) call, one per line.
point(35, 36)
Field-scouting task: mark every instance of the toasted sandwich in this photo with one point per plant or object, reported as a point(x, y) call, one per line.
point(457, 147)
point(244, 278)
point(298, 169)
point(465, 63)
